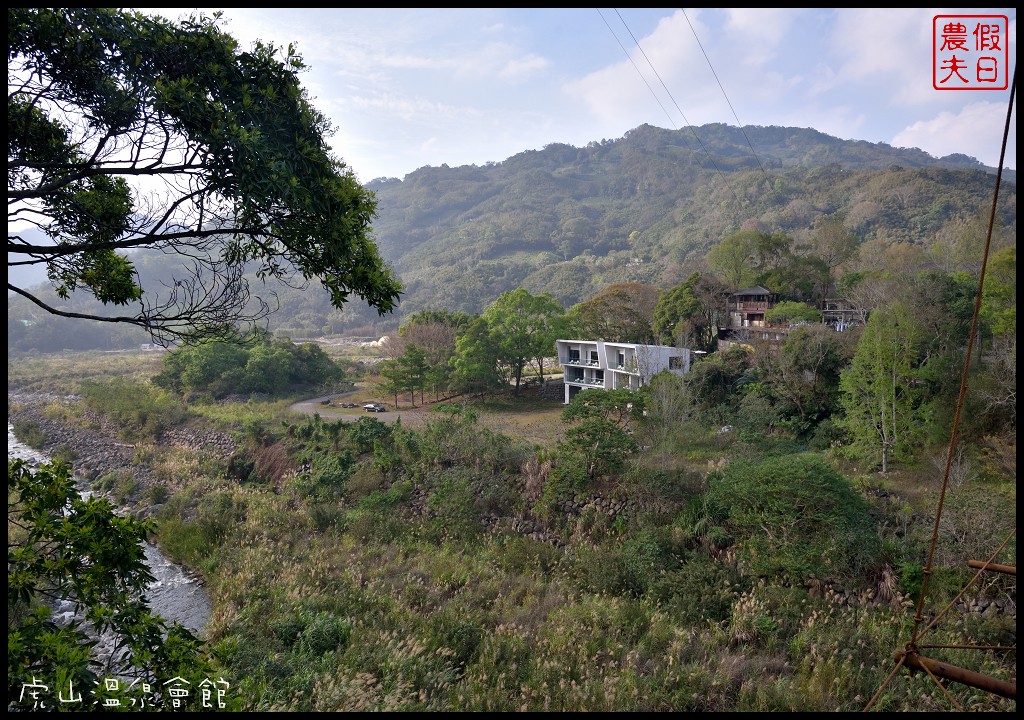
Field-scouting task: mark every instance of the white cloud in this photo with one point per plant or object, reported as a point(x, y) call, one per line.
point(759, 31)
point(977, 131)
point(518, 69)
point(408, 108)
point(888, 49)
point(631, 92)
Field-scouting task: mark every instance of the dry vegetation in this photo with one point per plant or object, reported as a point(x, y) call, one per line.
point(373, 564)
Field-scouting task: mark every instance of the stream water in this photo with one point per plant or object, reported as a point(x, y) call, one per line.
point(175, 594)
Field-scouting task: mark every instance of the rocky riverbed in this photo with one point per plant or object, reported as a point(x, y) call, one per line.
point(175, 594)
point(98, 450)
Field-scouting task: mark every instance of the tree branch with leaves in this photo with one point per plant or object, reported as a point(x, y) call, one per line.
point(130, 132)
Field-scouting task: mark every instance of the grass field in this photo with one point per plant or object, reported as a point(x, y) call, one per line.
point(529, 417)
point(62, 373)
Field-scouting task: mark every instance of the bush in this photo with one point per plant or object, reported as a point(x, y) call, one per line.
point(365, 431)
point(795, 516)
point(700, 589)
point(141, 411)
point(323, 632)
point(158, 494)
point(30, 433)
point(65, 453)
point(273, 366)
point(454, 505)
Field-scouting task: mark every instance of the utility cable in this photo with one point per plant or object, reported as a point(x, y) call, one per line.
point(918, 618)
point(724, 94)
point(638, 71)
point(964, 375)
point(668, 92)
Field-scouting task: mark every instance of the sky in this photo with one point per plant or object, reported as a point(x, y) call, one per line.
point(408, 88)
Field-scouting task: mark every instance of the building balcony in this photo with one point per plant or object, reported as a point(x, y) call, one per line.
point(749, 306)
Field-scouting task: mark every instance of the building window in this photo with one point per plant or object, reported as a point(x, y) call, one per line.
point(622, 360)
point(593, 356)
point(675, 363)
point(574, 356)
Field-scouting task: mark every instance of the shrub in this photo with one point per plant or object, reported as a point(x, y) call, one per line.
point(700, 589)
point(454, 505)
point(365, 479)
point(329, 473)
point(525, 555)
point(125, 487)
point(65, 453)
point(323, 632)
point(140, 410)
point(30, 433)
point(796, 516)
point(365, 431)
point(158, 494)
point(564, 480)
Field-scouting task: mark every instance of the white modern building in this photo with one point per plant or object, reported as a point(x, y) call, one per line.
point(613, 366)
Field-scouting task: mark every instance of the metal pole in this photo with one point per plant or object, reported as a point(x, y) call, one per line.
point(957, 674)
point(995, 567)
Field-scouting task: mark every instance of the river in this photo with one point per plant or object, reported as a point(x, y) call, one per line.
point(175, 594)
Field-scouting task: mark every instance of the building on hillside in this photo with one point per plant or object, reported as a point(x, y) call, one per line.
point(748, 325)
point(746, 311)
point(840, 315)
point(746, 308)
point(588, 364)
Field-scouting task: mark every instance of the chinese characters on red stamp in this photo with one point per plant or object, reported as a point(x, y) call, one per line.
point(970, 52)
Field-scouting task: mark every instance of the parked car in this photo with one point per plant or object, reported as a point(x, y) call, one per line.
point(374, 407)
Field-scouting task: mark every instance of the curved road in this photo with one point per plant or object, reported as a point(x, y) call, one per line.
point(332, 412)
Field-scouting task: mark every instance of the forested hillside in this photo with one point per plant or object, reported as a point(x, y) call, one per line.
point(643, 208)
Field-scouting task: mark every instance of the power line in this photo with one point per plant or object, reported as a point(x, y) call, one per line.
point(642, 77)
point(911, 656)
point(738, 123)
point(669, 93)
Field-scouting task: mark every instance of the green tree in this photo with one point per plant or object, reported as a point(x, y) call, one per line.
point(878, 392)
point(415, 368)
point(602, 434)
point(790, 311)
point(395, 381)
point(675, 306)
point(272, 366)
point(199, 367)
point(803, 277)
point(524, 327)
point(733, 258)
point(834, 244)
point(128, 131)
point(62, 547)
point(623, 312)
point(999, 298)
point(715, 380)
point(804, 371)
point(267, 369)
point(688, 314)
point(435, 331)
point(476, 360)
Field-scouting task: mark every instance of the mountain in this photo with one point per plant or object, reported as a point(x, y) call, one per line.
point(644, 208)
point(570, 220)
